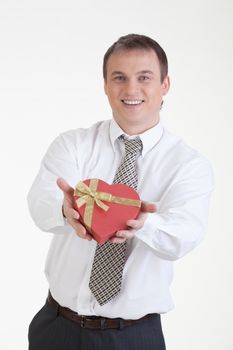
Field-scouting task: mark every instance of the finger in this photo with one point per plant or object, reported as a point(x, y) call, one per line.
point(77, 226)
point(117, 240)
point(122, 235)
point(79, 229)
point(148, 207)
point(135, 224)
point(82, 232)
point(87, 236)
point(65, 187)
point(125, 234)
point(68, 209)
point(139, 221)
point(71, 213)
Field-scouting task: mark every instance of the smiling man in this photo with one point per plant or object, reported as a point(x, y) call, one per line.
point(111, 296)
point(135, 88)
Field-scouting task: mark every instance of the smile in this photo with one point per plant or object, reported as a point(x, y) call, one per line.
point(132, 102)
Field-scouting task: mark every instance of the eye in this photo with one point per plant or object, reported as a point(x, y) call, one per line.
point(119, 78)
point(143, 77)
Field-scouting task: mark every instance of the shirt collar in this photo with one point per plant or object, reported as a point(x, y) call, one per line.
point(149, 138)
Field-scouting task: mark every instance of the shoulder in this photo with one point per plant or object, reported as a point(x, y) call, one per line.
point(187, 159)
point(90, 132)
point(75, 137)
point(68, 142)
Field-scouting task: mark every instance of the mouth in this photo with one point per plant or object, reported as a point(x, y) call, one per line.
point(132, 102)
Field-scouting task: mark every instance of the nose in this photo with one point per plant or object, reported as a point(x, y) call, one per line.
point(131, 88)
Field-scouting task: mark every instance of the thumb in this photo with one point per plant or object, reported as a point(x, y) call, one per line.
point(148, 207)
point(65, 187)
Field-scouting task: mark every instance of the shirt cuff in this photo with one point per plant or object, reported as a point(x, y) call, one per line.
point(149, 233)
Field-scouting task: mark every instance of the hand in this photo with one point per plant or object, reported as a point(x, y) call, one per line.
point(71, 215)
point(134, 225)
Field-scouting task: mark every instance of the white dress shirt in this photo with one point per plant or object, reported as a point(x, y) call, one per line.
point(170, 173)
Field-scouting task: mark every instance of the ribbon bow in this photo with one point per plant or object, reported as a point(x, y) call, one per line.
point(89, 196)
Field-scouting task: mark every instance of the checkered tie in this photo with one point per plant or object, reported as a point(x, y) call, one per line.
point(109, 260)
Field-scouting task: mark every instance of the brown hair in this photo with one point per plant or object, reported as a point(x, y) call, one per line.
point(136, 41)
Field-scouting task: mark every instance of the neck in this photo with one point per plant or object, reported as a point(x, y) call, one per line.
point(136, 129)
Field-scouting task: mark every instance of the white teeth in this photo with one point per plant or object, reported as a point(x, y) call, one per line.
point(132, 102)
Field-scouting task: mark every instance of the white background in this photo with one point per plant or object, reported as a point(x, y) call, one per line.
point(51, 80)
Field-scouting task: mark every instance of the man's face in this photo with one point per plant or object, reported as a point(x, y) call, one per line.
point(134, 89)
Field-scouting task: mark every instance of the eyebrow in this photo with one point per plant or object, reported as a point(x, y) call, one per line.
point(116, 72)
point(140, 72)
point(145, 72)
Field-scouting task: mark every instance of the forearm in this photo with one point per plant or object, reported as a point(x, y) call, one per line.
point(170, 241)
point(45, 206)
point(180, 222)
point(45, 198)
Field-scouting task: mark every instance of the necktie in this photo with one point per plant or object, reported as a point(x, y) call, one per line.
point(109, 259)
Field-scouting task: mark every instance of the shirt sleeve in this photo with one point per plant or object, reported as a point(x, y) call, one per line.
point(180, 222)
point(45, 199)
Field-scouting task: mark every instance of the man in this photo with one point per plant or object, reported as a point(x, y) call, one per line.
point(174, 182)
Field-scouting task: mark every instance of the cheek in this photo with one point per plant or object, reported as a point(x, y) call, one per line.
point(155, 96)
point(114, 95)
point(113, 100)
point(157, 93)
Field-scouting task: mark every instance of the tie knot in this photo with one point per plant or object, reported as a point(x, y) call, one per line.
point(133, 146)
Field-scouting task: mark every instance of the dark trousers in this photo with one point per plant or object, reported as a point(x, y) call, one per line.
point(49, 331)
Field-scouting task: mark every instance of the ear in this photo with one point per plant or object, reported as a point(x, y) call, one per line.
point(166, 85)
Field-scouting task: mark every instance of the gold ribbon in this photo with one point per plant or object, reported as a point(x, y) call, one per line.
point(89, 196)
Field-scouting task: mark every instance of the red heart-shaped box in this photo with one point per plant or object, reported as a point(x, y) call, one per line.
point(104, 224)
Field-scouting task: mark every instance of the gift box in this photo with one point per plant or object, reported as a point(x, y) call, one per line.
point(104, 209)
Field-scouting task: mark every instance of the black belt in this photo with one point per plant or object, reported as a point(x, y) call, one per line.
point(94, 322)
